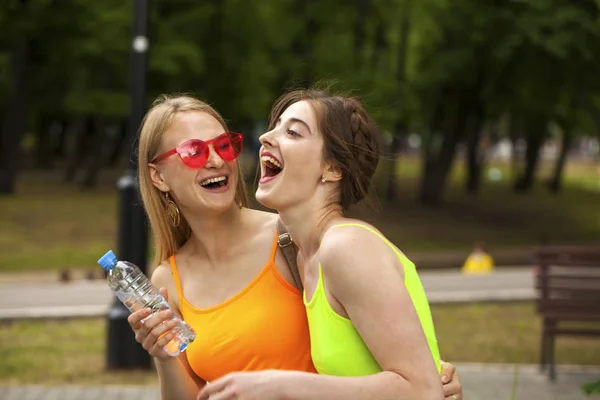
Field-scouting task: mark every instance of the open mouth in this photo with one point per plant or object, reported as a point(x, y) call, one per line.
point(214, 183)
point(272, 166)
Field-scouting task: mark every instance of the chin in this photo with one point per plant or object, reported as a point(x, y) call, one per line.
point(217, 203)
point(266, 198)
point(219, 207)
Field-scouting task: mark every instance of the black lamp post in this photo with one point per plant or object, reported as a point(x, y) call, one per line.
point(123, 352)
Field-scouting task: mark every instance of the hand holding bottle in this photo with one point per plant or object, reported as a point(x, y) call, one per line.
point(153, 321)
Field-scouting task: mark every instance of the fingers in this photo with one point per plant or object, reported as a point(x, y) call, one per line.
point(448, 371)
point(451, 381)
point(164, 293)
point(157, 334)
point(453, 397)
point(135, 319)
point(153, 331)
point(214, 389)
point(453, 390)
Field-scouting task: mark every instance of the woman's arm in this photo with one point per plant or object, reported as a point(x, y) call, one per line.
point(363, 276)
point(177, 380)
point(176, 377)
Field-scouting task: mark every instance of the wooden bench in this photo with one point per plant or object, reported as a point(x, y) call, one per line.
point(568, 285)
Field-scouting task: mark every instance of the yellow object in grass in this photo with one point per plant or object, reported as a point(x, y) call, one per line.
point(478, 262)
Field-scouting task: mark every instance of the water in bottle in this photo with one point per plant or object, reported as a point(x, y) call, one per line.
point(136, 291)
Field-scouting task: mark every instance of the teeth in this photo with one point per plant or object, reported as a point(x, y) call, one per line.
point(213, 180)
point(273, 161)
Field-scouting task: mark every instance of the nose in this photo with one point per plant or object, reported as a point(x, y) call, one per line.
point(214, 160)
point(267, 139)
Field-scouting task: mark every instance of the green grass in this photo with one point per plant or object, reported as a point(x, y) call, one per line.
point(577, 175)
point(496, 215)
point(504, 333)
point(48, 225)
point(54, 352)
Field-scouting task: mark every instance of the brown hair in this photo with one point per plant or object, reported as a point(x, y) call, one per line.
point(350, 138)
point(169, 239)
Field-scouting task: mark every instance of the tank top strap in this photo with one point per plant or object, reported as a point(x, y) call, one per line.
point(373, 231)
point(274, 248)
point(176, 279)
point(379, 235)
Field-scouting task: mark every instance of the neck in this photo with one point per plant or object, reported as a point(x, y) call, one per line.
point(307, 224)
point(213, 235)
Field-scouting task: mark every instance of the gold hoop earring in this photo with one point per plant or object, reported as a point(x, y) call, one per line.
point(173, 215)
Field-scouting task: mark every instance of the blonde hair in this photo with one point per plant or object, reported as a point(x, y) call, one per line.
point(168, 239)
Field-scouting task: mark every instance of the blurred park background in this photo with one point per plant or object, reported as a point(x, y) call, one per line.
point(490, 112)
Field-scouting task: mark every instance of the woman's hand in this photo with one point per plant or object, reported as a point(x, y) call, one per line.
point(451, 381)
point(261, 385)
point(155, 332)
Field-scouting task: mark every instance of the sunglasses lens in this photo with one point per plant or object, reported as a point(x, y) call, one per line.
point(195, 154)
point(229, 146)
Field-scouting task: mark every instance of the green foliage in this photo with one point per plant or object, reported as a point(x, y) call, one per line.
point(535, 59)
point(591, 388)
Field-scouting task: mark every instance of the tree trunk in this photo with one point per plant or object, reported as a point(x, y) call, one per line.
point(43, 145)
point(555, 184)
point(475, 155)
point(59, 145)
point(428, 149)
point(436, 172)
point(95, 154)
point(14, 121)
point(400, 131)
point(514, 134)
point(80, 129)
point(535, 139)
point(392, 175)
point(119, 142)
point(474, 163)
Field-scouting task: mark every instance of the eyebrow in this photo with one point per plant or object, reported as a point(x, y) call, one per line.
point(299, 121)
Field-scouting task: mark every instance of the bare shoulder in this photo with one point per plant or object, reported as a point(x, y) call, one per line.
point(162, 276)
point(263, 219)
point(357, 262)
point(353, 249)
point(344, 242)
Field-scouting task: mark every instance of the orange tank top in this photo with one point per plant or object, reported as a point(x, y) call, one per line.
point(262, 327)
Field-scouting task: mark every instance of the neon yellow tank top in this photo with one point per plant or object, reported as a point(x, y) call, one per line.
point(336, 346)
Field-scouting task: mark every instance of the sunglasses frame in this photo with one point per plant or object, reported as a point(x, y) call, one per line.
point(182, 149)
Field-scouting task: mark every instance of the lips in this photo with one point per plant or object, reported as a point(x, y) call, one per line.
point(272, 166)
point(215, 183)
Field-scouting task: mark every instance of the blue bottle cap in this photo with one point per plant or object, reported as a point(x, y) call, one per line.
point(108, 261)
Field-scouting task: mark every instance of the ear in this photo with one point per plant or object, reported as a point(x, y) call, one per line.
point(157, 178)
point(332, 173)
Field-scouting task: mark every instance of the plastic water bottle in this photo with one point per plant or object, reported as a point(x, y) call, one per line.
point(135, 290)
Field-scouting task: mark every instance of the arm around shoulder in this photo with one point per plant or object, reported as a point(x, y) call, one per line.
point(370, 289)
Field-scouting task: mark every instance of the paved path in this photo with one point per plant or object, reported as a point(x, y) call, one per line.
point(93, 298)
point(480, 382)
